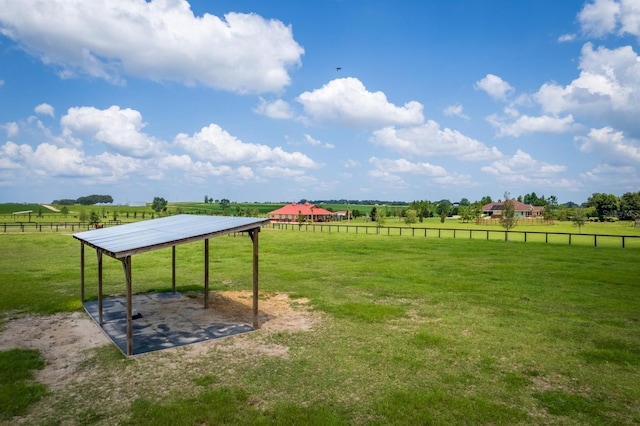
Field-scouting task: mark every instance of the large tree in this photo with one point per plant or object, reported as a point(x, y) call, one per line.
point(629, 206)
point(605, 204)
point(159, 205)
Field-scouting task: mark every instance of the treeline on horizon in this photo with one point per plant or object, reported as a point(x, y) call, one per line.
point(356, 202)
point(88, 200)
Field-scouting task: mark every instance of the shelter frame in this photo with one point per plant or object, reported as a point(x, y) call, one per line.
point(123, 241)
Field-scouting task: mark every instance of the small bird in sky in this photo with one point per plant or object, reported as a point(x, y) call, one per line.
point(338, 68)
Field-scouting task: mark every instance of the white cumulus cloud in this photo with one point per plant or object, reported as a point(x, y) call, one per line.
point(159, 39)
point(612, 144)
point(45, 109)
point(429, 140)
point(214, 144)
point(521, 167)
point(119, 129)
point(602, 17)
point(346, 101)
point(278, 109)
point(495, 87)
point(525, 124)
point(455, 110)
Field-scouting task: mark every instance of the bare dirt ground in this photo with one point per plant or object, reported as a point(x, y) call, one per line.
point(53, 209)
point(77, 380)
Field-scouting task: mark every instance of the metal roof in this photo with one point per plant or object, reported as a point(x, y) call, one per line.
point(139, 237)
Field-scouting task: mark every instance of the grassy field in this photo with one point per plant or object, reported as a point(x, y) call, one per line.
point(414, 331)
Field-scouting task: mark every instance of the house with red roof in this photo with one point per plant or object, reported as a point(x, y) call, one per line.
point(522, 210)
point(296, 212)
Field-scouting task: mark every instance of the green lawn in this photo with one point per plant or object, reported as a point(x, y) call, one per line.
point(414, 331)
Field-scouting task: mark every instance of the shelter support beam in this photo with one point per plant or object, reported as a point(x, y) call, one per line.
point(99, 254)
point(126, 265)
point(206, 273)
point(254, 237)
point(173, 268)
point(82, 272)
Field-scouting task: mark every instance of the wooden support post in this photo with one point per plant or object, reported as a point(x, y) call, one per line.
point(206, 273)
point(126, 264)
point(173, 268)
point(254, 238)
point(99, 253)
point(81, 272)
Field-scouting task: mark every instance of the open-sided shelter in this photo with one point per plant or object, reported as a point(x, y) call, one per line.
point(123, 241)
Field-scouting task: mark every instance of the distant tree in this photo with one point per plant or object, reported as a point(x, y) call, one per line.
point(534, 200)
point(485, 200)
point(206, 199)
point(443, 209)
point(115, 215)
point(83, 216)
point(629, 206)
point(465, 202)
point(94, 218)
point(508, 219)
point(65, 202)
point(605, 204)
point(224, 204)
point(550, 211)
point(159, 205)
point(90, 200)
point(381, 219)
point(444, 206)
point(422, 207)
point(64, 211)
point(579, 218)
point(355, 213)
point(410, 216)
point(466, 213)
point(373, 214)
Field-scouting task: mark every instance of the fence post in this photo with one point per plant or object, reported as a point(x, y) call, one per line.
point(595, 240)
point(438, 232)
point(525, 236)
point(546, 237)
point(487, 234)
point(622, 239)
point(569, 239)
point(454, 234)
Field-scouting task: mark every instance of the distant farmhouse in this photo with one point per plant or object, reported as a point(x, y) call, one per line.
point(306, 212)
point(522, 210)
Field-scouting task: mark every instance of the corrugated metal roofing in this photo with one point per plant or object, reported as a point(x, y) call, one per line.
point(139, 237)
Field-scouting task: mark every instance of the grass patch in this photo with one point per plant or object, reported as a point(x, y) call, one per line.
point(227, 406)
point(17, 388)
point(413, 330)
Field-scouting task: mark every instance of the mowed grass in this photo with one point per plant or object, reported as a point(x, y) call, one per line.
point(414, 331)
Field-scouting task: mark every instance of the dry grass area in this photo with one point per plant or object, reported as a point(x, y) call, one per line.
point(83, 366)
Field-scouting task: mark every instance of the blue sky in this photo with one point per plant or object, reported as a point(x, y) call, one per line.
point(243, 99)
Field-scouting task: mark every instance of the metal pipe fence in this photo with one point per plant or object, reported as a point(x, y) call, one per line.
point(547, 237)
point(12, 227)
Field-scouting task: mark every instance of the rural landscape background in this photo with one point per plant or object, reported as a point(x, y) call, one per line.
point(392, 327)
point(412, 306)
